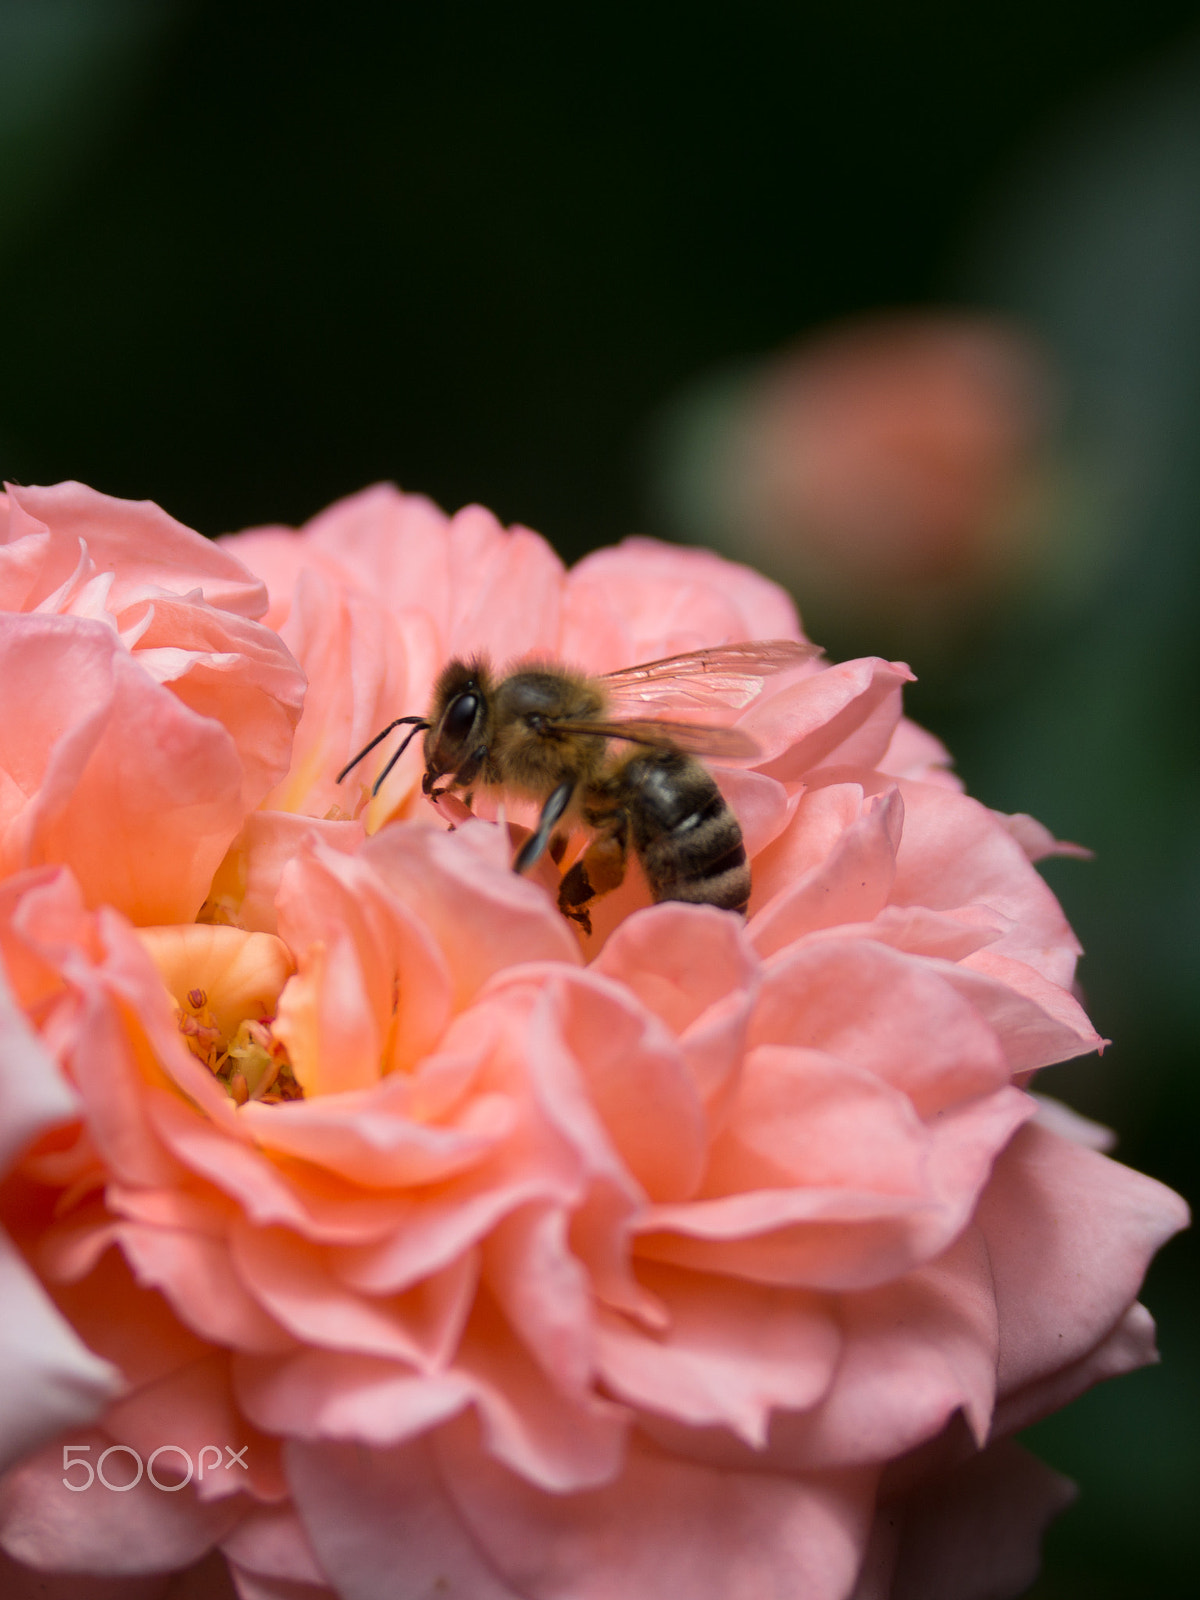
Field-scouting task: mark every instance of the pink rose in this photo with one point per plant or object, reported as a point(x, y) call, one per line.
point(894, 469)
point(698, 1256)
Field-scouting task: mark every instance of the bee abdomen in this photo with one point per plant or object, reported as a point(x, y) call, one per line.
point(686, 837)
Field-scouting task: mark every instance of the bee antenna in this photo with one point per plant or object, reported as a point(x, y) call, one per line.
point(408, 738)
point(421, 725)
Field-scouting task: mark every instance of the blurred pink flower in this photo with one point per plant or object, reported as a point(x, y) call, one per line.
point(698, 1257)
point(893, 469)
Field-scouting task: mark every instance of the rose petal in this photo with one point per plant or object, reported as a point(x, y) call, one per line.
point(844, 714)
point(643, 600)
point(49, 1380)
point(1080, 1208)
point(134, 791)
point(271, 1542)
point(667, 1526)
point(885, 1012)
point(851, 884)
point(137, 1531)
point(731, 1352)
point(144, 548)
point(972, 1535)
point(383, 1526)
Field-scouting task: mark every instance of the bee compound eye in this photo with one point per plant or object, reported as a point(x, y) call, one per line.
point(460, 717)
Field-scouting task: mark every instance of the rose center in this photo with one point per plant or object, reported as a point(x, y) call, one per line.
point(225, 984)
point(253, 1065)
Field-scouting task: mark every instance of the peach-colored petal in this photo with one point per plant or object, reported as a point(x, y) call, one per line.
point(951, 935)
point(486, 588)
point(633, 1074)
point(144, 549)
point(245, 885)
point(1077, 1205)
point(34, 1095)
point(851, 884)
point(1037, 841)
point(1036, 1022)
point(1128, 1346)
point(338, 1394)
point(1059, 1118)
point(680, 960)
point(130, 1326)
point(198, 1277)
point(805, 1118)
point(271, 1542)
point(390, 542)
point(927, 1041)
point(844, 715)
point(560, 1440)
point(191, 1413)
point(118, 622)
point(759, 803)
point(104, 1058)
point(915, 753)
point(481, 915)
point(643, 600)
point(730, 1354)
point(955, 851)
point(835, 1238)
point(544, 1292)
point(915, 1352)
point(363, 671)
point(505, 589)
point(691, 966)
point(49, 1380)
point(235, 672)
point(279, 556)
point(111, 774)
point(292, 1281)
point(973, 1535)
point(140, 1530)
point(668, 1526)
point(383, 1526)
point(373, 993)
point(319, 1205)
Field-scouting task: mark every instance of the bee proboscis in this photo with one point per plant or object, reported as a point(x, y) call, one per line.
point(543, 731)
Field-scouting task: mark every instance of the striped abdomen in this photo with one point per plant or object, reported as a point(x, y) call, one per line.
point(684, 834)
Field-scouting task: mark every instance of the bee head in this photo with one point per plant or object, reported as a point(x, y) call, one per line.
point(457, 723)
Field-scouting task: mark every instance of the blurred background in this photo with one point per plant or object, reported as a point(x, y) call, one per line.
point(899, 303)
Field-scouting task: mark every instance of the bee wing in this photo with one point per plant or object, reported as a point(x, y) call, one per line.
point(729, 674)
point(694, 738)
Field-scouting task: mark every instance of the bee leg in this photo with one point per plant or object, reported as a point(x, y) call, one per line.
point(558, 848)
point(534, 847)
point(599, 870)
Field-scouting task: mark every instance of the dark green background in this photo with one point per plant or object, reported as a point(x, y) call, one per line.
point(253, 257)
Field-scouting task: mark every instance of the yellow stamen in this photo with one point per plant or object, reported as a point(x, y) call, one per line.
point(226, 1017)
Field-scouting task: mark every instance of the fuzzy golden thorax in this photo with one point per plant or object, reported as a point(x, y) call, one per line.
point(529, 749)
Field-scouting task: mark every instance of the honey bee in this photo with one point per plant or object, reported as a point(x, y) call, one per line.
point(543, 732)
